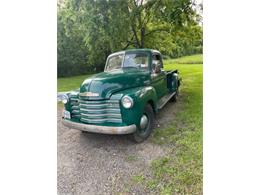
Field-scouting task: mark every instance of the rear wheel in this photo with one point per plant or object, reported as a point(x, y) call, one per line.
point(175, 96)
point(144, 129)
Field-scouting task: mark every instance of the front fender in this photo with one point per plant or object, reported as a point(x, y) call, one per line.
point(70, 95)
point(141, 96)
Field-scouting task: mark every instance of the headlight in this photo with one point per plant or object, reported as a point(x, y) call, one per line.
point(127, 102)
point(63, 98)
point(64, 101)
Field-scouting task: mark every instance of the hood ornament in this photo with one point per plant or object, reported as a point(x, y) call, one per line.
point(89, 94)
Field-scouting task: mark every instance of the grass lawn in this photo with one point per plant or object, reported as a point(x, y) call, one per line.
point(180, 172)
point(193, 59)
point(70, 83)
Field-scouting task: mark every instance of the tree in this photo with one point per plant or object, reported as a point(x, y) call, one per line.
point(105, 26)
point(72, 52)
point(157, 16)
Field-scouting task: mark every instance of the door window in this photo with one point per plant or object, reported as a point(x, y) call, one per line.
point(156, 61)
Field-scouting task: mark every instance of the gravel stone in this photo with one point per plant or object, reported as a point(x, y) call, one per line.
point(90, 163)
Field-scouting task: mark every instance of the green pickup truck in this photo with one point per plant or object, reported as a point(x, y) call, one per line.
point(124, 98)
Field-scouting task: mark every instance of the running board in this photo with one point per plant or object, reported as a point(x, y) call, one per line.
point(164, 100)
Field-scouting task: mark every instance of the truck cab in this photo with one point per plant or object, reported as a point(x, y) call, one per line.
point(123, 99)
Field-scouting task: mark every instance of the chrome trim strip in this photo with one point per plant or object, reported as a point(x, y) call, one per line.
point(99, 105)
point(99, 102)
point(118, 120)
point(89, 94)
point(97, 115)
point(100, 110)
point(103, 104)
point(90, 120)
point(100, 129)
point(75, 111)
point(76, 115)
point(161, 106)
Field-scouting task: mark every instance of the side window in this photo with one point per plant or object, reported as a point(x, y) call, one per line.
point(157, 60)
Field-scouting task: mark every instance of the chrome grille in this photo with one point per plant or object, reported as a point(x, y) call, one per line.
point(100, 111)
point(96, 111)
point(75, 111)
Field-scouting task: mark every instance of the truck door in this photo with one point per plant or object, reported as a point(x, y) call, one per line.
point(158, 76)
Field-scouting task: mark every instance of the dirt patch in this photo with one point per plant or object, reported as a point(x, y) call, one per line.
point(104, 164)
point(166, 116)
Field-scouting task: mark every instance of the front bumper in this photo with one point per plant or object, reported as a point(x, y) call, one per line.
point(99, 129)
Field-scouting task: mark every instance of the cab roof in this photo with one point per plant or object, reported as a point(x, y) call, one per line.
point(145, 49)
point(135, 50)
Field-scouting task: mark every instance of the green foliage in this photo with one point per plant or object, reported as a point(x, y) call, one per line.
point(72, 53)
point(90, 30)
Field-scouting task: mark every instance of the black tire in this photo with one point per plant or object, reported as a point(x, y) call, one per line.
point(142, 134)
point(175, 96)
point(85, 132)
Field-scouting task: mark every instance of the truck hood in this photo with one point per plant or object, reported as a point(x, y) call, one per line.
point(103, 85)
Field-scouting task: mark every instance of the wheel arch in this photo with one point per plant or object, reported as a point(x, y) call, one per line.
point(153, 105)
point(141, 96)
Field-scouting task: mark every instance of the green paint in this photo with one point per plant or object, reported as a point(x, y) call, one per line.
point(141, 84)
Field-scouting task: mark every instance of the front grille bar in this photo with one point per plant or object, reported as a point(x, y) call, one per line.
point(96, 111)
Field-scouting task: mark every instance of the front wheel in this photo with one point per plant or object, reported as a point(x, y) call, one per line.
point(85, 132)
point(144, 129)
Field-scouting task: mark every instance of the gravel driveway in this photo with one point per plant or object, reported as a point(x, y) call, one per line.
point(104, 164)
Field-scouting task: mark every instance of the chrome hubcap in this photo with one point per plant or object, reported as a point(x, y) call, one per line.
point(143, 122)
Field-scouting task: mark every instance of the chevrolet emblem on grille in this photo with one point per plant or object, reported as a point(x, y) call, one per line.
point(89, 94)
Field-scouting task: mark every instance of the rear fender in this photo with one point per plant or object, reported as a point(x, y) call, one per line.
point(173, 80)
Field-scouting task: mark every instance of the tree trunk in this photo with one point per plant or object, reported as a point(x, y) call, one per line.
point(142, 37)
point(137, 44)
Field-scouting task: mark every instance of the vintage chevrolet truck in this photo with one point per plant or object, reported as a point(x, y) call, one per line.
point(124, 98)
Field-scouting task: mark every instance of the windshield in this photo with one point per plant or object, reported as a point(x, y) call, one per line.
point(131, 60)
